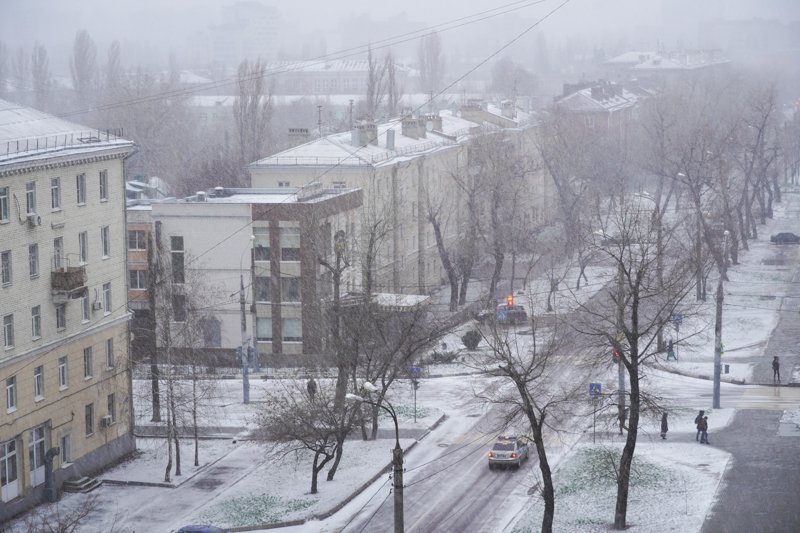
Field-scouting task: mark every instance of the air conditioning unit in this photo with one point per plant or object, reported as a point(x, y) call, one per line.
point(97, 306)
point(34, 220)
point(106, 421)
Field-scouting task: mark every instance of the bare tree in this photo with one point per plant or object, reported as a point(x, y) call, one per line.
point(4, 70)
point(21, 72)
point(252, 111)
point(393, 89)
point(431, 63)
point(83, 68)
point(113, 74)
point(439, 221)
point(40, 76)
point(376, 83)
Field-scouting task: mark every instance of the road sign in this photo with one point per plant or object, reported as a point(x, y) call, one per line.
point(677, 317)
point(415, 371)
point(595, 389)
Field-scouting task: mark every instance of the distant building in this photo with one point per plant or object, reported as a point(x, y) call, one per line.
point(64, 362)
point(598, 104)
point(285, 284)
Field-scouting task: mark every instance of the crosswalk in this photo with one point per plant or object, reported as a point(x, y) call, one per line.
point(769, 398)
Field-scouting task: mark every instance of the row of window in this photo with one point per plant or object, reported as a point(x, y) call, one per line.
point(59, 259)
point(61, 317)
point(289, 241)
point(289, 289)
point(291, 329)
point(55, 194)
point(63, 375)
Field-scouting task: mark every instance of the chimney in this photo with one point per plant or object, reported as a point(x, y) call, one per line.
point(507, 108)
point(390, 140)
point(201, 196)
point(413, 128)
point(368, 132)
point(355, 137)
point(298, 136)
point(435, 121)
point(597, 93)
point(219, 191)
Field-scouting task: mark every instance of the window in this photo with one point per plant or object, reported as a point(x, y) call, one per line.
point(8, 331)
point(63, 373)
point(261, 244)
point(80, 187)
point(61, 317)
point(38, 382)
point(292, 330)
point(87, 362)
point(66, 449)
point(339, 185)
point(83, 247)
point(36, 321)
point(284, 184)
point(262, 289)
point(112, 407)
point(55, 193)
point(138, 279)
point(88, 416)
point(3, 204)
point(30, 197)
point(179, 308)
point(11, 393)
point(107, 298)
point(137, 240)
point(105, 239)
point(33, 260)
point(110, 352)
point(264, 329)
point(5, 267)
point(58, 253)
point(176, 247)
point(290, 289)
point(290, 244)
point(104, 185)
point(85, 308)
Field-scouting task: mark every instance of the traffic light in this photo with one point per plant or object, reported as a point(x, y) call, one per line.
point(510, 300)
point(617, 355)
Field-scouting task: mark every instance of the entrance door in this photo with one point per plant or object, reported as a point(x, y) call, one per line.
point(36, 446)
point(9, 483)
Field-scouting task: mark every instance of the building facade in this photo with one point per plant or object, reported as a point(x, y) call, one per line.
point(64, 358)
point(256, 258)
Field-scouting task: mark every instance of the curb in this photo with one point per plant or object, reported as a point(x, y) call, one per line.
point(336, 508)
point(732, 381)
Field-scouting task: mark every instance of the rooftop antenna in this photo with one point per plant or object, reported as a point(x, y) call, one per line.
point(351, 114)
point(319, 119)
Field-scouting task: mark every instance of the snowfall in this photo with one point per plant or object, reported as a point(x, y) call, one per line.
point(674, 481)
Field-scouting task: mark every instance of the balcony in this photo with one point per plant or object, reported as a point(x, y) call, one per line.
point(66, 281)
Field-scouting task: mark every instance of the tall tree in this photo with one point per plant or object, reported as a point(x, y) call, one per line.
point(4, 70)
point(376, 84)
point(431, 63)
point(40, 76)
point(83, 68)
point(252, 111)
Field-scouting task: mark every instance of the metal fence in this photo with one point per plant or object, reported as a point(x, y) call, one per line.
point(61, 140)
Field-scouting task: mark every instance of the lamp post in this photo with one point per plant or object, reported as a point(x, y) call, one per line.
point(718, 321)
point(397, 456)
point(244, 352)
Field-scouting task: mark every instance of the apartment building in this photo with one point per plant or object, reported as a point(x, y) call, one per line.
point(255, 256)
point(64, 357)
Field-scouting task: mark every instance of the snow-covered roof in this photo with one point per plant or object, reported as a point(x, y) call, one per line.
point(252, 196)
point(338, 148)
point(681, 61)
point(27, 134)
point(628, 58)
point(600, 99)
point(335, 65)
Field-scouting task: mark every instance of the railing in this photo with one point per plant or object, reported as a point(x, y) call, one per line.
point(61, 140)
point(358, 159)
point(68, 278)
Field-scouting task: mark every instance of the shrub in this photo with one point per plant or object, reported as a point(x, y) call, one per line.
point(471, 339)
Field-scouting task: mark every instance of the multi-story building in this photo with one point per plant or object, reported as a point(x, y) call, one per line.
point(64, 356)
point(268, 242)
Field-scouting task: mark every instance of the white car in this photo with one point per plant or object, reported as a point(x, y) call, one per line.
point(508, 451)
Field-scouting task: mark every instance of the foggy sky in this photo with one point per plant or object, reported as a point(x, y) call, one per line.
point(164, 25)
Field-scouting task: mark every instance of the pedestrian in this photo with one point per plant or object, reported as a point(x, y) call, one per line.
point(311, 386)
point(776, 370)
point(664, 426)
point(704, 430)
point(697, 420)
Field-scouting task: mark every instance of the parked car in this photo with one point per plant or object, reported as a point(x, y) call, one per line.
point(511, 314)
point(508, 450)
point(785, 238)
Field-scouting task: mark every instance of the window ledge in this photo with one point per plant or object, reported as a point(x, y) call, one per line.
point(11, 410)
point(87, 378)
point(62, 388)
point(38, 399)
point(103, 200)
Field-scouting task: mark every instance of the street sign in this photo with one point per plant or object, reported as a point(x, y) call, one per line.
point(415, 371)
point(595, 389)
point(677, 317)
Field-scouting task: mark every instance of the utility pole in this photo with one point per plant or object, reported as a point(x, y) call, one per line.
point(718, 322)
point(319, 119)
point(243, 352)
point(351, 114)
point(620, 364)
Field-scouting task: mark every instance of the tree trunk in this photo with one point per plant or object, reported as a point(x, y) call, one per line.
point(623, 483)
point(194, 419)
point(154, 375)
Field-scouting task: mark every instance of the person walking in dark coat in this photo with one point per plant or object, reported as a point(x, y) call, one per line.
point(703, 426)
point(776, 370)
point(664, 426)
point(697, 421)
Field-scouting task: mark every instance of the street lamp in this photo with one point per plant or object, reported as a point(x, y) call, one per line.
point(244, 355)
point(397, 455)
point(718, 321)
